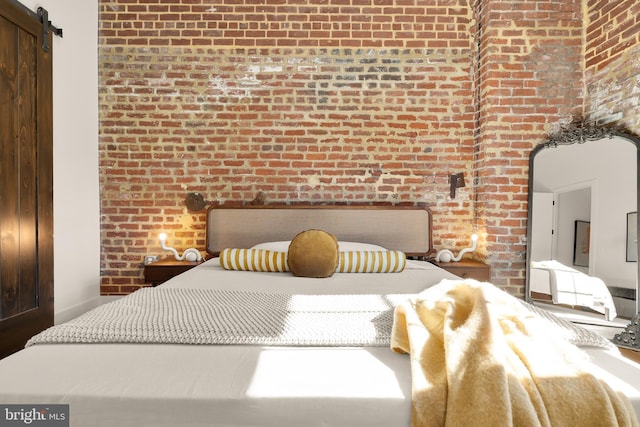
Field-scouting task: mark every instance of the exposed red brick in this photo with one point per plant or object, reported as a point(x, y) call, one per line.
point(348, 101)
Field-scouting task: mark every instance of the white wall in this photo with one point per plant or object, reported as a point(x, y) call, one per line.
point(75, 155)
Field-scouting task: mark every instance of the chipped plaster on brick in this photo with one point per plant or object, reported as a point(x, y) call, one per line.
point(614, 91)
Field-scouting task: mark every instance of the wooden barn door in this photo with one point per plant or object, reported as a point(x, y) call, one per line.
point(26, 177)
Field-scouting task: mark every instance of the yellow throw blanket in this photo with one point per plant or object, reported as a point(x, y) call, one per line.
point(480, 358)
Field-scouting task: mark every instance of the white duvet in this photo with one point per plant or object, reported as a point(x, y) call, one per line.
point(241, 385)
point(227, 385)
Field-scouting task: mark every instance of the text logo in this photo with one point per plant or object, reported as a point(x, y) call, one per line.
point(34, 415)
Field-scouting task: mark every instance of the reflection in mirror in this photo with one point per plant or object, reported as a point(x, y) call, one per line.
point(583, 193)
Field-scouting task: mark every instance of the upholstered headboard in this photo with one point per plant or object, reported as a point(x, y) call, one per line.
point(407, 229)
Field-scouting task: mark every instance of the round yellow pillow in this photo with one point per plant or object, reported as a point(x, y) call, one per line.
point(313, 253)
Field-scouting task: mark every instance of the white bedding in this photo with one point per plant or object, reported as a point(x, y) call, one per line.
point(241, 385)
point(415, 277)
point(227, 385)
point(572, 287)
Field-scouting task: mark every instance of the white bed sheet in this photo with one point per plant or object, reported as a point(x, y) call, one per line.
point(416, 277)
point(223, 385)
point(189, 385)
point(620, 372)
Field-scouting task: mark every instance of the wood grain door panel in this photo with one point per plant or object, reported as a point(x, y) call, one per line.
point(26, 179)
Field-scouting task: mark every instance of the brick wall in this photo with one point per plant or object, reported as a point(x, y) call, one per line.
point(530, 80)
point(612, 59)
point(340, 100)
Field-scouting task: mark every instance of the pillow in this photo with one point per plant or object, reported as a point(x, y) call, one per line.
point(253, 260)
point(283, 246)
point(279, 246)
point(313, 253)
point(348, 262)
point(371, 262)
point(357, 246)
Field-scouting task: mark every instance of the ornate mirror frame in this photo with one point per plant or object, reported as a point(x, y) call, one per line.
point(579, 134)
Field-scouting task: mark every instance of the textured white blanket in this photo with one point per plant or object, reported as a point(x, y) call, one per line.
point(205, 316)
point(202, 316)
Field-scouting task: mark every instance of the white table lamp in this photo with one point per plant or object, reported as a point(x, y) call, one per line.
point(190, 254)
point(445, 255)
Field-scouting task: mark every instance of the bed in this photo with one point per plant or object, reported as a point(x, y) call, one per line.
point(571, 287)
point(330, 382)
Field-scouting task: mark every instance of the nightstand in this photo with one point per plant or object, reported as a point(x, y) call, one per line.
point(160, 271)
point(467, 269)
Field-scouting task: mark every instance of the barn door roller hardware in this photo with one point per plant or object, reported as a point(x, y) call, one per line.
point(46, 27)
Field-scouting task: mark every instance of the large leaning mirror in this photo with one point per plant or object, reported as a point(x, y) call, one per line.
point(582, 246)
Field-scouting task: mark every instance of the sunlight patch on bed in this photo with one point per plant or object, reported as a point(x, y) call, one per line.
point(314, 372)
point(631, 391)
point(619, 372)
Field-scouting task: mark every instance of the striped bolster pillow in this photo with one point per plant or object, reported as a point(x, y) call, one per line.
point(371, 262)
point(348, 262)
point(253, 260)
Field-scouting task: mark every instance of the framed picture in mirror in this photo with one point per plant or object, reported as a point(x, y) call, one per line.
point(632, 237)
point(581, 243)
